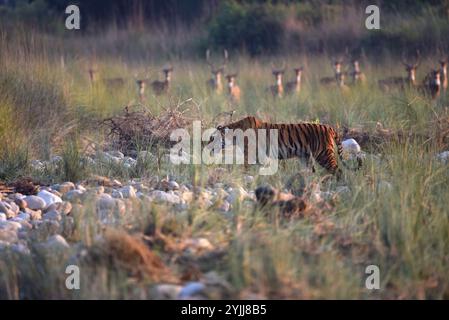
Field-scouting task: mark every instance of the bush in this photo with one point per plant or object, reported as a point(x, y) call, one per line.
point(255, 28)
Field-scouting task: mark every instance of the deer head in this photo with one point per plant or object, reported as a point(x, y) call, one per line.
point(278, 72)
point(214, 69)
point(231, 79)
point(167, 72)
point(411, 67)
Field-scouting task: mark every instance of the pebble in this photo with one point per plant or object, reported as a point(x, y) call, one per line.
point(24, 216)
point(351, 146)
point(128, 192)
point(167, 291)
point(117, 194)
point(57, 242)
point(35, 202)
point(73, 195)
point(52, 215)
point(248, 179)
point(225, 206)
point(443, 157)
point(66, 187)
point(162, 196)
point(48, 197)
point(191, 290)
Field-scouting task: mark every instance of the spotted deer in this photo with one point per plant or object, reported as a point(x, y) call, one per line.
point(162, 87)
point(401, 82)
point(277, 90)
point(337, 64)
point(431, 85)
point(295, 85)
point(357, 75)
point(233, 89)
point(215, 84)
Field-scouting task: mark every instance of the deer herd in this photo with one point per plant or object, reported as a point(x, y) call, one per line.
point(433, 84)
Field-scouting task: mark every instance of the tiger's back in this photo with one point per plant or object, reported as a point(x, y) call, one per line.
point(303, 140)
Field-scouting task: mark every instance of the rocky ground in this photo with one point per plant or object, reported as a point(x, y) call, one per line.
point(49, 216)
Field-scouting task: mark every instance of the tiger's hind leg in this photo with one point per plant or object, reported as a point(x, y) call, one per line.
point(328, 161)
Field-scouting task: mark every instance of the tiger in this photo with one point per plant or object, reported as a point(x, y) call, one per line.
point(303, 140)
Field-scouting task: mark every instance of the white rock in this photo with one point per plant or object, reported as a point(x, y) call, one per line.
point(35, 202)
point(73, 195)
point(105, 202)
point(173, 185)
point(162, 196)
point(108, 158)
point(351, 146)
point(6, 209)
point(225, 206)
point(10, 225)
point(52, 215)
point(20, 248)
point(130, 162)
point(167, 291)
point(8, 236)
point(248, 179)
point(191, 289)
point(66, 187)
point(14, 208)
point(443, 157)
point(2, 217)
point(117, 194)
point(24, 216)
point(199, 243)
point(57, 242)
point(187, 196)
point(117, 183)
point(48, 197)
point(128, 192)
point(56, 160)
point(24, 225)
point(116, 153)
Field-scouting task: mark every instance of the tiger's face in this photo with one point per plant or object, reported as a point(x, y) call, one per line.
point(220, 132)
point(244, 124)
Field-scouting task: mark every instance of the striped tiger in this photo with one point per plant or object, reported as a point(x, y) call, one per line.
point(304, 140)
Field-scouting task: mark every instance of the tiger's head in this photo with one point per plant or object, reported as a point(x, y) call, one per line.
point(243, 124)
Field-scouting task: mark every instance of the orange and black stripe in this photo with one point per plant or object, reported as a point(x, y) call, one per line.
point(303, 140)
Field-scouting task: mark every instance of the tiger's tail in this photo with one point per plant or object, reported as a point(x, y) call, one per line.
point(340, 154)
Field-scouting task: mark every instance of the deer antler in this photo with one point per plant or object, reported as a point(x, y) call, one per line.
point(208, 58)
point(225, 56)
point(275, 69)
point(418, 58)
